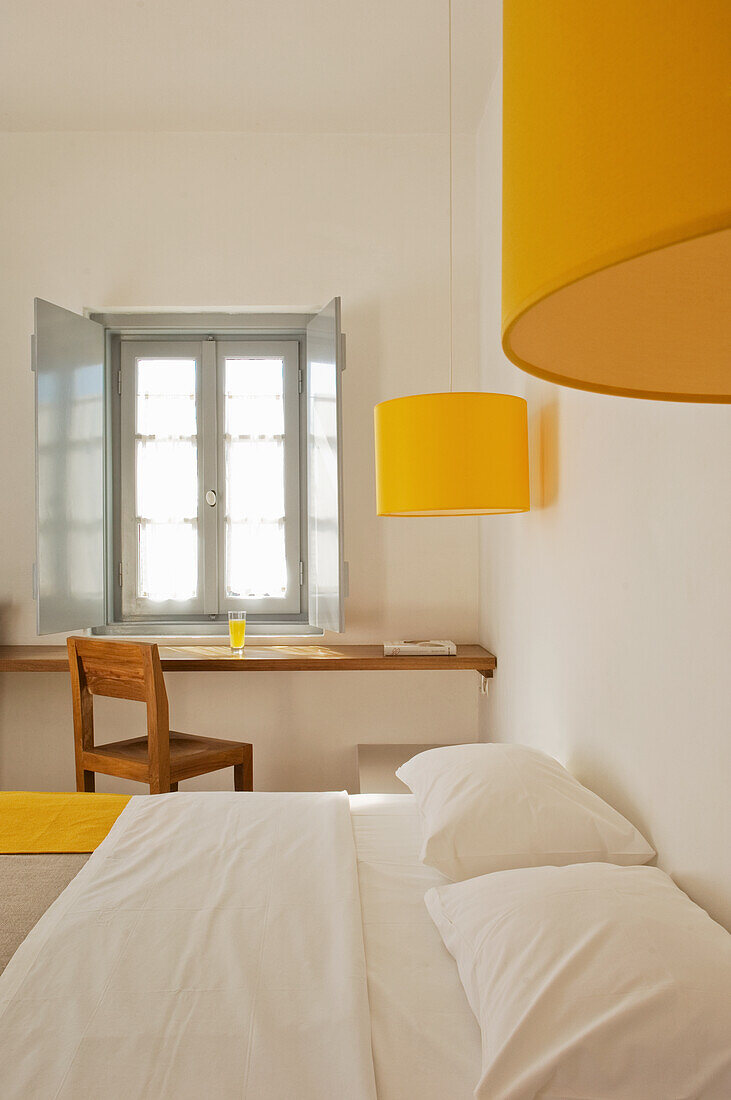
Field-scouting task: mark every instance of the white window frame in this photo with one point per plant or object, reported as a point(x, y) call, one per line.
point(294, 501)
point(210, 604)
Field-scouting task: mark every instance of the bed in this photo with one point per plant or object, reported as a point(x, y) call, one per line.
point(424, 1038)
point(496, 934)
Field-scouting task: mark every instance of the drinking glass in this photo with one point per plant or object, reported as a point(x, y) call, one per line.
point(237, 631)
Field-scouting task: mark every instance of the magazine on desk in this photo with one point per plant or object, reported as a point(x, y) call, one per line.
point(438, 648)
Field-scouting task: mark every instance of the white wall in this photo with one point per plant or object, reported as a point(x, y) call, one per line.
point(609, 604)
point(214, 220)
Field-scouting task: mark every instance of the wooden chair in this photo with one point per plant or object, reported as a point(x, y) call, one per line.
point(132, 670)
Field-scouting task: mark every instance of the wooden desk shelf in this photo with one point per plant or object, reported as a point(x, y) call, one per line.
point(273, 658)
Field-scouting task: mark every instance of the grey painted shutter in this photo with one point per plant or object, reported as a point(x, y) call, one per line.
point(325, 566)
point(69, 380)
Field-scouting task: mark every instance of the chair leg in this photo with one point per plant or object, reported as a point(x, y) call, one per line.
point(85, 780)
point(244, 772)
point(158, 787)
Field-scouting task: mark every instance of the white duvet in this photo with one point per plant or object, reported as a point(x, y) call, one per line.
point(211, 947)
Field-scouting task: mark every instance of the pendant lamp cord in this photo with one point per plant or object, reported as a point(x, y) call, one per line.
point(451, 210)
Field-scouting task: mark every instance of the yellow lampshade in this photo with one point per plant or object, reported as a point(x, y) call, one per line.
point(451, 454)
point(617, 195)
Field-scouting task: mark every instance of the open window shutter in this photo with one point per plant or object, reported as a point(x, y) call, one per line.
point(325, 567)
point(69, 378)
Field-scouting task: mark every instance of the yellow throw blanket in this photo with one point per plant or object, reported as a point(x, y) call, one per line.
point(47, 821)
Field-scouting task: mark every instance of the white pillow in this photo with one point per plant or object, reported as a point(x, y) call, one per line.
point(591, 981)
point(493, 807)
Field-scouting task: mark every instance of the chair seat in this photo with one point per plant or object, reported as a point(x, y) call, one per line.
point(189, 755)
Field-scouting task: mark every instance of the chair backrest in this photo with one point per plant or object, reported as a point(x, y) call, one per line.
point(123, 670)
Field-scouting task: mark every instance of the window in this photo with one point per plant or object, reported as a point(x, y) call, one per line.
point(219, 463)
point(209, 500)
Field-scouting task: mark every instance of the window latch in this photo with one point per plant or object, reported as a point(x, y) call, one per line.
point(211, 498)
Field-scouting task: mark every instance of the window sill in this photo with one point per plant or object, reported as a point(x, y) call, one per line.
point(155, 632)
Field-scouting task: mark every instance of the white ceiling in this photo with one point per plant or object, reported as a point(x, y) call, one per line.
point(308, 66)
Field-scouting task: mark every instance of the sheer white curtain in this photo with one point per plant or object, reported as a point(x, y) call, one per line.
point(256, 564)
point(166, 464)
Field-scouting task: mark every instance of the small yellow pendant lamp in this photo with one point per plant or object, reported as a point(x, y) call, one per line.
point(451, 454)
point(617, 195)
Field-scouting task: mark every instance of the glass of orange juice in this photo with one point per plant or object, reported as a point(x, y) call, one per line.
point(237, 630)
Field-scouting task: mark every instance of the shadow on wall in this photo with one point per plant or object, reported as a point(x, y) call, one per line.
point(596, 774)
point(543, 442)
point(9, 616)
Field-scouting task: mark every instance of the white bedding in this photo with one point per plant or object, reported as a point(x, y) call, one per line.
point(171, 966)
point(426, 1041)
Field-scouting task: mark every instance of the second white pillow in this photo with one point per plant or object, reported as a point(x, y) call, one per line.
point(591, 981)
point(497, 807)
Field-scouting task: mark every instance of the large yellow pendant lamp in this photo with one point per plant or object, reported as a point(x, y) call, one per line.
point(451, 454)
point(617, 195)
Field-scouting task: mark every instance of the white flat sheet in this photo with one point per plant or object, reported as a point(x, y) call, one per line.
point(425, 1039)
point(172, 965)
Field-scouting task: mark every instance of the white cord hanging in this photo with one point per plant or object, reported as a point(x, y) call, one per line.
point(451, 210)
